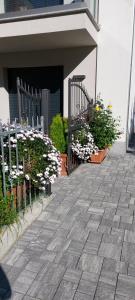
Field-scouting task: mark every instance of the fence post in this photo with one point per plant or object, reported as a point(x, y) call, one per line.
point(45, 108)
point(19, 99)
point(69, 120)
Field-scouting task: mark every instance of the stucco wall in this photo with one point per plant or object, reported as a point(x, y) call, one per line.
point(131, 114)
point(76, 61)
point(114, 55)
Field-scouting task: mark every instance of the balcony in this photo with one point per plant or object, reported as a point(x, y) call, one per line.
point(28, 25)
point(12, 6)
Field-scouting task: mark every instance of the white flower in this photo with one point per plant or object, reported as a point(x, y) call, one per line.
point(27, 177)
point(39, 175)
point(20, 167)
point(14, 167)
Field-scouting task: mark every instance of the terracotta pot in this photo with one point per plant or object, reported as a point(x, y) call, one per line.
point(64, 164)
point(98, 158)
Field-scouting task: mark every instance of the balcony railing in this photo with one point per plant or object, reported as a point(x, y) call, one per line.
point(10, 6)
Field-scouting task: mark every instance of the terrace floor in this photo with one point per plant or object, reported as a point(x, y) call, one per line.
point(82, 246)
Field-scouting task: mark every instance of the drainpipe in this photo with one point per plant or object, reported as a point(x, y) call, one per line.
point(130, 79)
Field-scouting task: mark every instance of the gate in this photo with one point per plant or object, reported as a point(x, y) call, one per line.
point(33, 103)
point(79, 105)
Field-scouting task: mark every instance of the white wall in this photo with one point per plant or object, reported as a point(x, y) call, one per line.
point(114, 55)
point(2, 6)
point(131, 115)
point(4, 99)
point(76, 61)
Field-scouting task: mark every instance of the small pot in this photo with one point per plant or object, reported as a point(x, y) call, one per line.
point(99, 157)
point(64, 159)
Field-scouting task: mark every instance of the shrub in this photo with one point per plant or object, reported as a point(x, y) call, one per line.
point(57, 133)
point(8, 214)
point(39, 161)
point(83, 145)
point(103, 126)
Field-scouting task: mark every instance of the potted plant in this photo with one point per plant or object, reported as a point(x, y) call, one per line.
point(83, 145)
point(104, 128)
point(58, 136)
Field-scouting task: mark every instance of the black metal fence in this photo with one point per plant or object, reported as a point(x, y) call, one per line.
point(79, 108)
point(23, 193)
point(33, 103)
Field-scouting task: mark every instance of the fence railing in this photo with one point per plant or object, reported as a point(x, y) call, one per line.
point(79, 109)
point(32, 104)
point(22, 192)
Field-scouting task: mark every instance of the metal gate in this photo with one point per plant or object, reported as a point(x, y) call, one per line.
point(33, 103)
point(79, 105)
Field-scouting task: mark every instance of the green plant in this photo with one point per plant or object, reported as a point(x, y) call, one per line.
point(8, 214)
point(65, 125)
point(57, 133)
point(103, 126)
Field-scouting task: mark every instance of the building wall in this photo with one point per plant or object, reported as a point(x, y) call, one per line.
point(114, 55)
point(76, 61)
point(131, 114)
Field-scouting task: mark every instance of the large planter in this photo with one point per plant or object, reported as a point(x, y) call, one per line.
point(64, 159)
point(99, 157)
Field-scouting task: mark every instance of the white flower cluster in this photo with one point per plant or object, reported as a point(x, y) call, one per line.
point(50, 157)
point(84, 151)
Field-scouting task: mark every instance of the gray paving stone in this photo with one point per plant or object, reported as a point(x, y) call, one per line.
point(83, 241)
point(17, 296)
point(72, 275)
point(108, 278)
point(66, 291)
point(42, 291)
point(104, 292)
point(129, 236)
point(110, 265)
point(87, 287)
point(80, 296)
point(90, 263)
point(110, 250)
point(126, 286)
point(128, 253)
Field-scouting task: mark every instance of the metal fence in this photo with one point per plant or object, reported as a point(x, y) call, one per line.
point(32, 104)
point(24, 193)
point(79, 109)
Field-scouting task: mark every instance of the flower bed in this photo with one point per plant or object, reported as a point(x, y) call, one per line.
point(29, 163)
point(83, 145)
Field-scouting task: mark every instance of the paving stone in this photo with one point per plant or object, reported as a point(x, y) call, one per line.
point(17, 296)
point(128, 253)
point(90, 263)
point(108, 278)
point(66, 291)
point(116, 238)
point(110, 265)
point(80, 296)
point(126, 286)
point(34, 266)
point(83, 241)
point(118, 297)
point(72, 275)
point(15, 255)
point(129, 236)
point(104, 292)
point(92, 277)
point(104, 229)
point(87, 287)
point(110, 250)
point(42, 291)
point(97, 211)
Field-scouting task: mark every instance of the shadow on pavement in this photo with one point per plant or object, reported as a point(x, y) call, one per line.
point(5, 289)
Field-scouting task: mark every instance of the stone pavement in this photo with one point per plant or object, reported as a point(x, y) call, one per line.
point(82, 246)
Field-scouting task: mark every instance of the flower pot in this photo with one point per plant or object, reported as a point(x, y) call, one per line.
point(64, 158)
point(99, 157)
